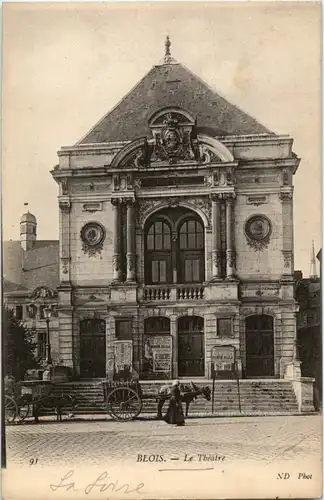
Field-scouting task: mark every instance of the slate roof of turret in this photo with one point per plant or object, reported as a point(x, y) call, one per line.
point(166, 85)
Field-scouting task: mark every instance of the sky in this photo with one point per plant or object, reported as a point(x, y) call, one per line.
point(66, 65)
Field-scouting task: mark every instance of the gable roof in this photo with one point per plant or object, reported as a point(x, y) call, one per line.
point(169, 85)
point(26, 270)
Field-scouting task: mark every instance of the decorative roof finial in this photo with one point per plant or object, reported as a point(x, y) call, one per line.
point(167, 57)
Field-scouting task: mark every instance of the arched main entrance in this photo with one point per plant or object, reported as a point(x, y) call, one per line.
point(191, 352)
point(92, 348)
point(259, 346)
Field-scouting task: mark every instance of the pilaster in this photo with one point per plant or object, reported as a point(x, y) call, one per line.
point(130, 244)
point(65, 257)
point(286, 198)
point(117, 232)
point(230, 252)
point(216, 248)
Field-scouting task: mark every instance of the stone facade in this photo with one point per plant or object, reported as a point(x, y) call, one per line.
point(238, 187)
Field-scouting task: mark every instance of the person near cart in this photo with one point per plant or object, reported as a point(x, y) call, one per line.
point(174, 415)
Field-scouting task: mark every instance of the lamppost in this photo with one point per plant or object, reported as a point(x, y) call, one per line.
point(48, 357)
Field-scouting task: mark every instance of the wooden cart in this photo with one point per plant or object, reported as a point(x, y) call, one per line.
point(20, 398)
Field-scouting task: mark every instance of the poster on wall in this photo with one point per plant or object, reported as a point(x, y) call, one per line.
point(123, 351)
point(223, 357)
point(159, 348)
point(162, 361)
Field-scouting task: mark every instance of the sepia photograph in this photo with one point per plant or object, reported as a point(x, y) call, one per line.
point(161, 250)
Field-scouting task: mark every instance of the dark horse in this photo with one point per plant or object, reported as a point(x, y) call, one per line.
point(189, 393)
point(54, 402)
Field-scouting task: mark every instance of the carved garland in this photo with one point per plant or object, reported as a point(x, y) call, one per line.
point(287, 258)
point(142, 207)
point(203, 203)
point(65, 265)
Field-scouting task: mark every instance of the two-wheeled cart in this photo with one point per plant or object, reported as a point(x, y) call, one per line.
point(20, 399)
point(124, 400)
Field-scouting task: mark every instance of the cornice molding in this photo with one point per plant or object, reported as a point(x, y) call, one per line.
point(255, 139)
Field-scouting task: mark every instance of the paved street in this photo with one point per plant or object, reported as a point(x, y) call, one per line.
point(262, 439)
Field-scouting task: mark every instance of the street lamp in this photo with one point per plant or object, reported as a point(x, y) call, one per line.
point(48, 313)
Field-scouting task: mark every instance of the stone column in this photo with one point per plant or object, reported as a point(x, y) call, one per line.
point(130, 245)
point(230, 253)
point(116, 203)
point(216, 250)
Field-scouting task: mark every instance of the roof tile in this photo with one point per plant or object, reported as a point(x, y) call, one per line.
point(171, 85)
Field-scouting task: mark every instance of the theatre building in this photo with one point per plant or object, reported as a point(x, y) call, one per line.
point(176, 236)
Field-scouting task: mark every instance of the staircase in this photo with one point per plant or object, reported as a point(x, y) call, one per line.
point(257, 397)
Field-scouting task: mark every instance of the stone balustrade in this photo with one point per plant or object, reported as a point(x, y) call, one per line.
point(172, 292)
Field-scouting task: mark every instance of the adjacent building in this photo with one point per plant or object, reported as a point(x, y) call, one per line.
point(30, 283)
point(309, 324)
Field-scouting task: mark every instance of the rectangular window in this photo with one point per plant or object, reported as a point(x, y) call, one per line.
point(123, 329)
point(158, 271)
point(192, 240)
point(150, 242)
point(195, 270)
point(167, 242)
point(224, 327)
point(19, 312)
point(155, 271)
point(192, 270)
point(188, 270)
point(162, 271)
point(183, 240)
point(41, 344)
point(200, 240)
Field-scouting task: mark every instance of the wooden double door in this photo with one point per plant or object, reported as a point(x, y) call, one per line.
point(259, 346)
point(191, 350)
point(93, 348)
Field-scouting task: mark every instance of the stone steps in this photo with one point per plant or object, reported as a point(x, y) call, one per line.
point(256, 397)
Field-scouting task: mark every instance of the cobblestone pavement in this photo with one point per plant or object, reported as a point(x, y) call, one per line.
point(262, 439)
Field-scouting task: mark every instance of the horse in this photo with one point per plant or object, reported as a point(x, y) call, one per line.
point(189, 393)
point(54, 402)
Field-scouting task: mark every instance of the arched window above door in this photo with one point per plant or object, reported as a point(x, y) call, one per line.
point(174, 248)
point(158, 265)
point(191, 252)
point(191, 235)
point(159, 236)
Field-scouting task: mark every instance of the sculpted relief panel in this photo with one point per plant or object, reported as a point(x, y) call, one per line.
point(91, 186)
point(145, 206)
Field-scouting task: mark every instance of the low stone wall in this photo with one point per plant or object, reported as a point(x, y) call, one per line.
point(304, 391)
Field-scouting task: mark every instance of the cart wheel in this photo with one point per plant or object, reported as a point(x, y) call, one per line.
point(23, 412)
point(11, 409)
point(124, 404)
